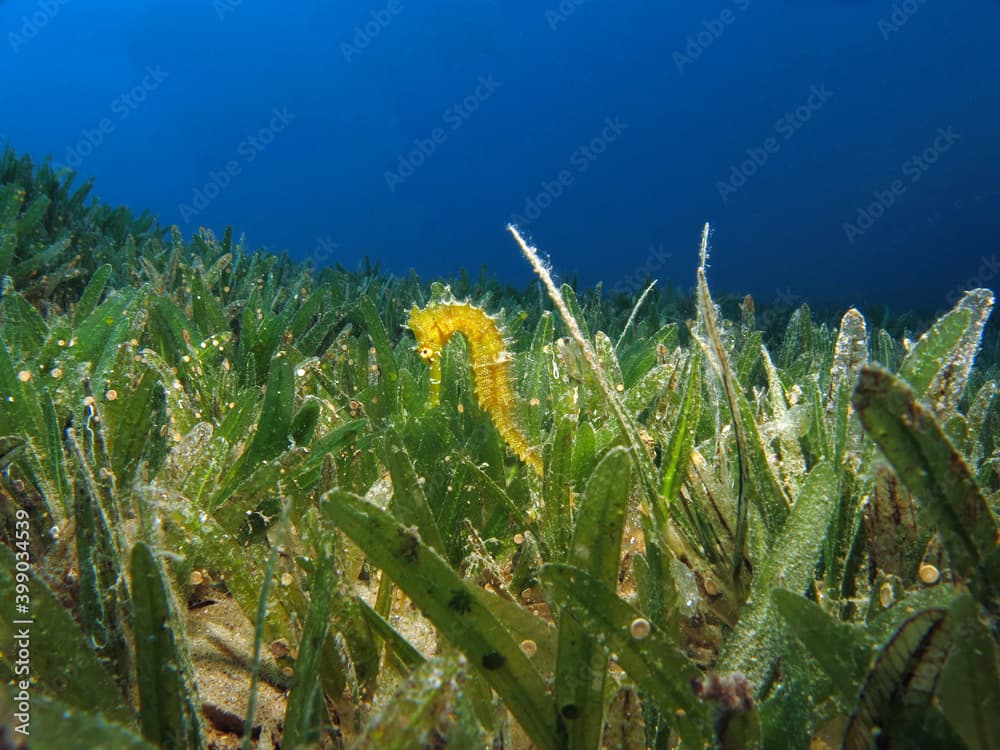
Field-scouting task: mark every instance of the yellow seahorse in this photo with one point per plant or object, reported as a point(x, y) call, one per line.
point(434, 325)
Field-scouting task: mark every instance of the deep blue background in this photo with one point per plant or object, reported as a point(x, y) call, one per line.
point(320, 187)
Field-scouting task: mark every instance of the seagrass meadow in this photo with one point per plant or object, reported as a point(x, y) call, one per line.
point(253, 504)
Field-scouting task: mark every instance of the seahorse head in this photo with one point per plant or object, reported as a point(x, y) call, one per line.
point(430, 337)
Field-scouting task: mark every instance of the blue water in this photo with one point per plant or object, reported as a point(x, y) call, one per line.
point(844, 152)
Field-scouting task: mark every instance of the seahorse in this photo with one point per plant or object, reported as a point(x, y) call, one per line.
point(434, 325)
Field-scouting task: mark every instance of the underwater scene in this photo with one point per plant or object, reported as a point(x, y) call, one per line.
point(511, 376)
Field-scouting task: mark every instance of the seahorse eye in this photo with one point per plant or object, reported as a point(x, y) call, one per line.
point(426, 353)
